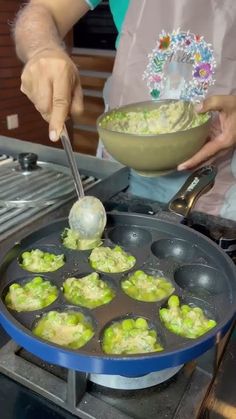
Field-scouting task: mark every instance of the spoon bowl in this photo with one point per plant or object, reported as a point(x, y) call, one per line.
point(88, 217)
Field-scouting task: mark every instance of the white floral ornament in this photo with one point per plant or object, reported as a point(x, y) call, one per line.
point(184, 47)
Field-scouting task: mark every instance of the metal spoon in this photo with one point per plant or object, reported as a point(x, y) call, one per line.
point(183, 120)
point(87, 215)
point(186, 117)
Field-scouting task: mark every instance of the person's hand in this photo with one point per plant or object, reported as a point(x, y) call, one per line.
point(226, 105)
point(51, 81)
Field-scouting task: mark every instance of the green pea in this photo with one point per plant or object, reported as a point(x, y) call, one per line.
point(185, 308)
point(173, 301)
point(127, 324)
point(14, 287)
point(26, 254)
point(211, 324)
point(141, 323)
point(37, 280)
point(108, 334)
point(164, 312)
point(198, 310)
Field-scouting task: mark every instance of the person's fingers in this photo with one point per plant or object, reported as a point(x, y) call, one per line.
point(43, 97)
point(216, 103)
point(39, 92)
point(46, 116)
point(208, 150)
point(61, 102)
point(26, 84)
point(77, 105)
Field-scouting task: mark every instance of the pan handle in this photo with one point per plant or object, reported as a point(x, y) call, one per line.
point(198, 183)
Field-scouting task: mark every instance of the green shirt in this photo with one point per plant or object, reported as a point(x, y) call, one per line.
point(118, 10)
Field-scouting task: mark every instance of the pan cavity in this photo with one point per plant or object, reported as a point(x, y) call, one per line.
point(70, 328)
point(189, 318)
point(147, 286)
point(30, 294)
point(130, 335)
point(176, 249)
point(201, 280)
point(111, 259)
point(129, 236)
point(88, 290)
point(42, 259)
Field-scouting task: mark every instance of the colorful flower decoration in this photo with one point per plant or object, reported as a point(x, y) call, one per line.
point(203, 71)
point(164, 42)
point(184, 47)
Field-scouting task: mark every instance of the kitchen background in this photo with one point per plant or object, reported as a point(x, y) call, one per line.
point(92, 47)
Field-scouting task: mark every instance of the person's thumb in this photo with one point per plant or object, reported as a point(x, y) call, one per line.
point(213, 103)
point(210, 149)
point(60, 107)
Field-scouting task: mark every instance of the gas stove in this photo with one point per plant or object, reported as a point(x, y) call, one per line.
point(29, 387)
point(182, 396)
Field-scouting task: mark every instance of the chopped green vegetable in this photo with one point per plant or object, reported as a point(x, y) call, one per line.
point(71, 240)
point(130, 336)
point(144, 287)
point(186, 321)
point(89, 291)
point(164, 119)
point(115, 260)
point(33, 295)
point(69, 329)
point(39, 261)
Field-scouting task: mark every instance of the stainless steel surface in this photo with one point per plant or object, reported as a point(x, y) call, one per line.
point(72, 163)
point(4, 159)
point(48, 188)
point(38, 188)
point(134, 383)
point(197, 184)
point(88, 165)
point(185, 118)
point(87, 215)
point(100, 178)
point(88, 218)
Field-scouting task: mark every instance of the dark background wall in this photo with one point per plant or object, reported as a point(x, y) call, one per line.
point(12, 101)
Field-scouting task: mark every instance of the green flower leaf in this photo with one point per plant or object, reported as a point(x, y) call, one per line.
point(155, 93)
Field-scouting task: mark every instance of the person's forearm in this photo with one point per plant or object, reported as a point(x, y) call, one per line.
point(42, 24)
point(35, 30)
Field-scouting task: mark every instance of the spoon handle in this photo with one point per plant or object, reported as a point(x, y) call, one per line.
point(72, 163)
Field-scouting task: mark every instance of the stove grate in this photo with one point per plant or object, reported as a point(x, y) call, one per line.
point(180, 397)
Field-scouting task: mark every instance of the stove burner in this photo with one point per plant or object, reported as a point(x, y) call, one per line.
point(137, 383)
